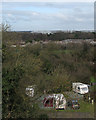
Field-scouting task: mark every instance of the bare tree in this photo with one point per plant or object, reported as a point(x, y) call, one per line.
point(5, 27)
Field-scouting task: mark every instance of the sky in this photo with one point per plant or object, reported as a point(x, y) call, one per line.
point(41, 16)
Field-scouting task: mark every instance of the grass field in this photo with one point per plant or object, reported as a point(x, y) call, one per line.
point(86, 109)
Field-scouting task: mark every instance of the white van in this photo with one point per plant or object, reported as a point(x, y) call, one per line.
point(80, 88)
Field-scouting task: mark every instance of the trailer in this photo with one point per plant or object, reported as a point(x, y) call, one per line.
point(30, 90)
point(80, 88)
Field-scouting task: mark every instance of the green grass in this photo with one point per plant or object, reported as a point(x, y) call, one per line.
point(84, 107)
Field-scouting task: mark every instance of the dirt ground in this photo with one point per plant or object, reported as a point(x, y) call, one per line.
point(62, 114)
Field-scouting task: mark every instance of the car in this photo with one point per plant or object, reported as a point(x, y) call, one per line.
point(73, 104)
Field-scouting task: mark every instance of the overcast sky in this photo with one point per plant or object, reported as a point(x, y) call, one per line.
point(33, 16)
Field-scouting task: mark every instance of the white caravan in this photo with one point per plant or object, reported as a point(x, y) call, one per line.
point(80, 88)
point(30, 90)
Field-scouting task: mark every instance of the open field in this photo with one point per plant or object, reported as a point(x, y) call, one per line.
point(86, 109)
point(69, 113)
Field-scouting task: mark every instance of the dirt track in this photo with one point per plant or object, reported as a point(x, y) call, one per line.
point(62, 114)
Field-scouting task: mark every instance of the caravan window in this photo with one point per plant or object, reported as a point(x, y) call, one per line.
point(79, 88)
point(84, 89)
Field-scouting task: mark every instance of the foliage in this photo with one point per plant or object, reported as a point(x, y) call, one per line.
point(93, 80)
point(50, 67)
point(43, 117)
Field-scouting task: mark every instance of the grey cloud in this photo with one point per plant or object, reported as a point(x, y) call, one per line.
point(69, 16)
point(68, 5)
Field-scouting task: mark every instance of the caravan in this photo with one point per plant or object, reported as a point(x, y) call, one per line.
point(30, 90)
point(80, 88)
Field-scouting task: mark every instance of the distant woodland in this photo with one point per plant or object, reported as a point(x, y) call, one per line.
point(56, 36)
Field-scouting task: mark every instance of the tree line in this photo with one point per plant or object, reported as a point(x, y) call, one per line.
point(57, 36)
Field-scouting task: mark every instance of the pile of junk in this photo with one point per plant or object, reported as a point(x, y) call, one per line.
point(57, 101)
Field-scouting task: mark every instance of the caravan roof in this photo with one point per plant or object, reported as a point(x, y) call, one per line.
point(82, 85)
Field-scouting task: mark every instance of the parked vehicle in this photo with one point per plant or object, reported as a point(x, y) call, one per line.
point(30, 90)
point(73, 104)
point(80, 88)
